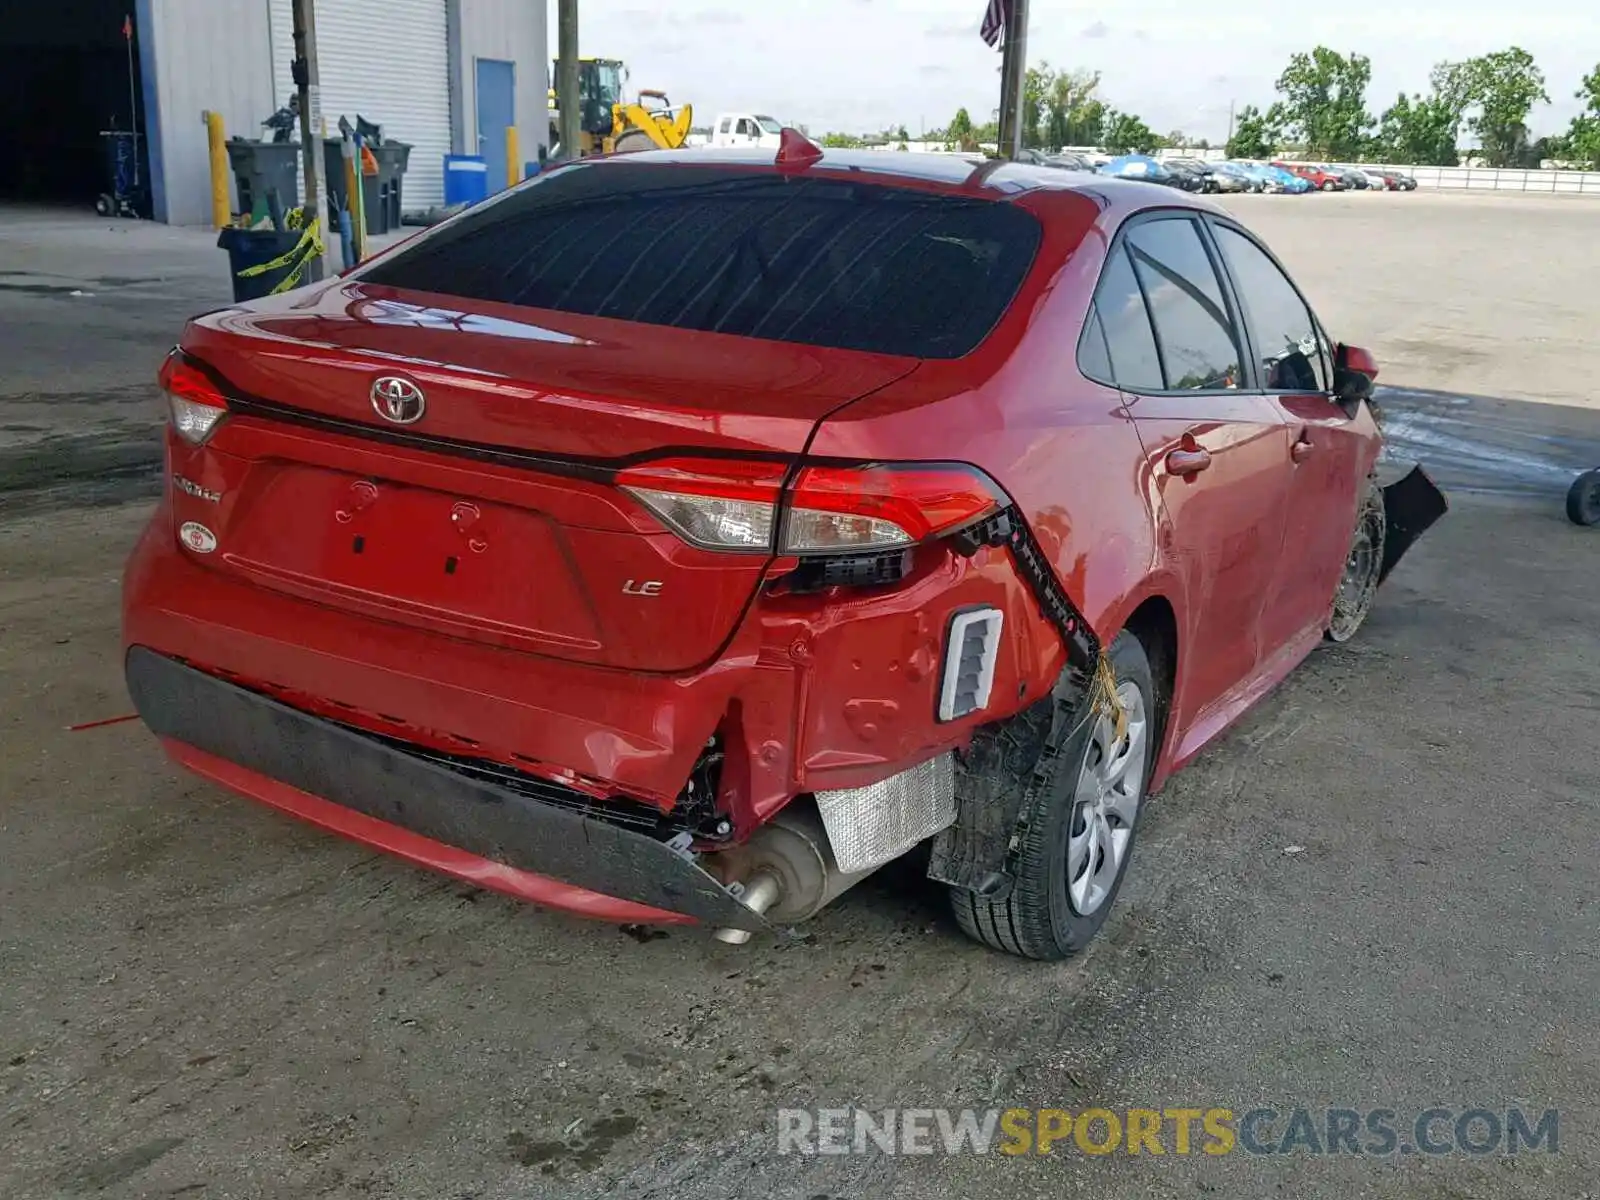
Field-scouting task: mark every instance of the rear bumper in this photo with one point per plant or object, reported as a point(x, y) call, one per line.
point(370, 791)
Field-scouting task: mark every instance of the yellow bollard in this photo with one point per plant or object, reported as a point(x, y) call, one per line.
point(513, 159)
point(221, 210)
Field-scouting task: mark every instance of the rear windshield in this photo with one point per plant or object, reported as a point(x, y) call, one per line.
point(823, 261)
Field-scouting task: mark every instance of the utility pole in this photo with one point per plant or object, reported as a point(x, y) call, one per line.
point(1013, 78)
point(1230, 122)
point(567, 76)
point(309, 91)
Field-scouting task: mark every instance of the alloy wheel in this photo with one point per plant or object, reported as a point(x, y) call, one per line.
point(1358, 584)
point(1106, 803)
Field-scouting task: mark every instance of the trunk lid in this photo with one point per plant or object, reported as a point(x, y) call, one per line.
point(492, 517)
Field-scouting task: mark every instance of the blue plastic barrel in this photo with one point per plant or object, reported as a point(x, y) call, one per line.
point(466, 178)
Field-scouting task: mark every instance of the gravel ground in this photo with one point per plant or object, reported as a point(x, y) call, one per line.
point(202, 998)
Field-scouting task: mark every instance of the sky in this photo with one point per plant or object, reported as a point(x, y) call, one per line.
point(862, 65)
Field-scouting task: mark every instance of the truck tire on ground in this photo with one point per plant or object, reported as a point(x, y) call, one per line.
point(1583, 499)
point(632, 142)
point(1078, 822)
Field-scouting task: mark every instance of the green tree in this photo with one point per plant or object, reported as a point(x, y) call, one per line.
point(1325, 101)
point(902, 134)
point(1256, 133)
point(1127, 134)
point(1074, 114)
point(1423, 129)
point(843, 141)
point(1504, 86)
point(1582, 141)
point(1036, 85)
point(960, 134)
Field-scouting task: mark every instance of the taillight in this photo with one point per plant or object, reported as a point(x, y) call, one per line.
point(734, 505)
point(194, 404)
point(835, 510)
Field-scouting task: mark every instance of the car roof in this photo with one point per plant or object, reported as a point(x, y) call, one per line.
point(994, 178)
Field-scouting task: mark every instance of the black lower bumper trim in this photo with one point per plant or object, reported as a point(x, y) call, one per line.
point(374, 778)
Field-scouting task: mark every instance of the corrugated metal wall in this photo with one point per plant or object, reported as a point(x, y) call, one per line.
point(378, 57)
point(209, 54)
point(387, 60)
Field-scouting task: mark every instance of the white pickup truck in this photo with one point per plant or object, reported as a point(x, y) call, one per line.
point(745, 129)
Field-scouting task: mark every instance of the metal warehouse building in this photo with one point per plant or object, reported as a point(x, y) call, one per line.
point(447, 76)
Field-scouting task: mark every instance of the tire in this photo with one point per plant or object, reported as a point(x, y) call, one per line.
point(1055, 908)
point(632, 142)
point(1358, 585)
point(1327, 185)
point(104, 206)
point(1583, 499)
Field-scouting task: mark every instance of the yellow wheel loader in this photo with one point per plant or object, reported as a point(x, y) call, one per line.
point(607, 124)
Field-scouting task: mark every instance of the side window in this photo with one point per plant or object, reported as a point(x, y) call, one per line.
point(727, 124)
point(1198, 344)
point(1285, 334)
point(1117, 338)
point(1094, 356)
point(745, 128)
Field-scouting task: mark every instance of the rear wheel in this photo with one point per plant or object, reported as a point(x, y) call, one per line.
point(1077, 823)
point(1358, 585)
point(1327, 185)
point(632, 142)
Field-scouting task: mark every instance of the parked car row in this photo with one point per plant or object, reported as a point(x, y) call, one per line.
point(1200, 175)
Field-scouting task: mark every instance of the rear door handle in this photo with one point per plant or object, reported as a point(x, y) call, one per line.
point(1188, 461)
point(1302, 449)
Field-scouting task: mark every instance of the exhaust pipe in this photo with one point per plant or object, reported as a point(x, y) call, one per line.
point(760, 893)
point(787, 870)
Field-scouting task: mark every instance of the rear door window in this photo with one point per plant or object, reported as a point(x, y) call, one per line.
point(822, 261)
point(1286, 335)
point(1194, 331)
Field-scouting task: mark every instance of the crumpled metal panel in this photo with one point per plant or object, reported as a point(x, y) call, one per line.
point(868, 826)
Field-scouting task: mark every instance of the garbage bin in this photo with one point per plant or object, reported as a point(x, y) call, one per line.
point(380, 193)
point(258, 168)
point(252, 248)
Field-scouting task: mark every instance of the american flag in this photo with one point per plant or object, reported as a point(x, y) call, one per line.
point(996, 20)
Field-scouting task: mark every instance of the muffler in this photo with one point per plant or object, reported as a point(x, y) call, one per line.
point(786, 870)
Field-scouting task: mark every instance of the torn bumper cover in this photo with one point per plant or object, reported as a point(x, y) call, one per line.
point(1411, 505)
point(376, 779)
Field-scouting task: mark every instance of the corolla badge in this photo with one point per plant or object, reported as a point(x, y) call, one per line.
point(197, 537)
point(398, 400)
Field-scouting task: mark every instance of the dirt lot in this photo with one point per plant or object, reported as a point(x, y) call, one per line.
point(201, 998)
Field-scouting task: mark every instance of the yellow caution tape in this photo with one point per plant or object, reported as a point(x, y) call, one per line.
point(307, 248)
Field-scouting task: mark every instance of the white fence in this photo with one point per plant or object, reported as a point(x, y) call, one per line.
point(1499, 179)
point(1475, 179)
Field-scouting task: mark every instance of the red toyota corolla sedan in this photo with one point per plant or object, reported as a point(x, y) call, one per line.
point(682, 536)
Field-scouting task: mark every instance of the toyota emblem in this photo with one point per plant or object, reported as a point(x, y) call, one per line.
point(398, 400)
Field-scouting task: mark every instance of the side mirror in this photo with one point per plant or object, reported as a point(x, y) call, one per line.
point(1354, 370)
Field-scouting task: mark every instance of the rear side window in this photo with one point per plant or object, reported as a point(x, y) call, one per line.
point(1195, 334)
point(1120, 342)
point(822, 261)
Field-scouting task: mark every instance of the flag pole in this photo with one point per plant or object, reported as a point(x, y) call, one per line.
point(133, 103)
point(1013, 77)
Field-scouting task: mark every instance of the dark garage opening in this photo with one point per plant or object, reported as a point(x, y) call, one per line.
point(64, 79)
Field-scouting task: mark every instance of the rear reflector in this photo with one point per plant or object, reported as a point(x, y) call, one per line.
point(733, 505)
point(969, 660)
point(194, 404)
